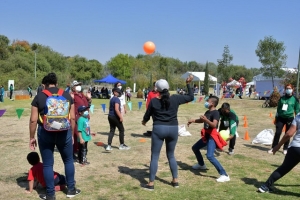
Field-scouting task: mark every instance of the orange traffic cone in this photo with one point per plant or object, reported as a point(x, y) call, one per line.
point(246, 124)
point(245, 118)
point(246, 137)
point(270, 114)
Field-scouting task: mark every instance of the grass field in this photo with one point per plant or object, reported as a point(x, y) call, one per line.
point(118, 174)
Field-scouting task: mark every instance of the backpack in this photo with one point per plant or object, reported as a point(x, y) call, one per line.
point(57, 112)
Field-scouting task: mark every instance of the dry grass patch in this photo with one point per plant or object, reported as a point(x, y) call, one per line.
point(118, 174)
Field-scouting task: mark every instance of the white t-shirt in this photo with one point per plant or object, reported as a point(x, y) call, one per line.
point(296, 140)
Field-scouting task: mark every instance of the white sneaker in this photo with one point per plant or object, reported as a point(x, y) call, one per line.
point(270, 151)
point(124, 147)
point(284, 152)
point(197, 166)
point(108, 148)
point(230, 151)
point(223, 179)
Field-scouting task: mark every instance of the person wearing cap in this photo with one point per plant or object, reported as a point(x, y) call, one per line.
point(84, 134)
point(163, 110)
point(79, 100)
point(115, 119)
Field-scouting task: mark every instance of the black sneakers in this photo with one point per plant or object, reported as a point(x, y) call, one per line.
point(46, 197)
point(264, 189)
point(175, 185)
point(73, 193)
point(148, 187)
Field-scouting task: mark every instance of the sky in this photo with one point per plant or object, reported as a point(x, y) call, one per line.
point(190, 30)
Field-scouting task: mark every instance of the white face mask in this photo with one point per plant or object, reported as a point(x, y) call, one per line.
point(78, 88)
point(120, 87)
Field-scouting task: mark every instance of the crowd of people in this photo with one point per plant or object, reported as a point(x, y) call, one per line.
point(69, 130)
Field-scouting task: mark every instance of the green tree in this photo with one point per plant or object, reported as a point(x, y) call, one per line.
point(119, 66)
point(224, 63)
point(206, 80)
point(272, 57)
point(4, 52)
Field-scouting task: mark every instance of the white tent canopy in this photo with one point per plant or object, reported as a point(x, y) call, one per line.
point(199, 76)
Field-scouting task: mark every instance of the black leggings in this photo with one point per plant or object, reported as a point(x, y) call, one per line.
point(82, 153)
point(280, 122)
point(291, 159)
point(113, 123)
point(10, 94)
point(161, 133)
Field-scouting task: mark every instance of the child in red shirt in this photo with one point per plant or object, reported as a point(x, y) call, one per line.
point(36, 174)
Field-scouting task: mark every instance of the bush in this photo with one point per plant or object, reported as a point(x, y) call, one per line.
point(274, 98)
point(139, 94)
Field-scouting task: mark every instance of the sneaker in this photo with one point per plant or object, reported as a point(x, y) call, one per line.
point(230, 152)
point(73, 193)
point(148, 187)
point(284, 152)
point(223, 178)
point(264, 188)
point(124, 147)
point(175, 185)
point(85, 163)
point(108, 148)
point(270, 151)
point(46, 197)
point(197, 166)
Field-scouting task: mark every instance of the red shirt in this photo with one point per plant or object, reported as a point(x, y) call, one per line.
point(36, 172)
point(151, 95)
point(79, 100)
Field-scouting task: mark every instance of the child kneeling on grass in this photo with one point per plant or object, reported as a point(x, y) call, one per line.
point(210, 138)
point(84, 134)
point(36, 174)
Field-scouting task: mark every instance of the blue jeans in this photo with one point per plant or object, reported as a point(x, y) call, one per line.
point(63, 141)
point(161, 133)
point(211, 146)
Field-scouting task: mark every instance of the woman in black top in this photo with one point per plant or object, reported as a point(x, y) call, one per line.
point(163, 110)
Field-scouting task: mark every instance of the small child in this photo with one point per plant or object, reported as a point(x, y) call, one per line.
point(84, 134)
point(36, 174)
point(229, 120)
point(210, 138)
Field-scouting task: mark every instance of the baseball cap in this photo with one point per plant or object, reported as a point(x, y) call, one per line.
point(161, 84)
point(74, 83)
point(82, 108)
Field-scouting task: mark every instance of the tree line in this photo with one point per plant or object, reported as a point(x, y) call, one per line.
point(19, 58)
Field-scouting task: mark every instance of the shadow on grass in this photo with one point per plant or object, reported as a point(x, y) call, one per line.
point(257, 184)
point(140, 174)
point(139, 135)
point(184, 166)
point(257, 147)
point(23, 183)
point(103, 133)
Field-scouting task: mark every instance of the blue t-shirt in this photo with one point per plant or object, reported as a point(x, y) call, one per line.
point(112, 102)
point(83, 126)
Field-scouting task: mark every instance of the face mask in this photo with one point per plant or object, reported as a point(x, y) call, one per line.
point(78, 88)
point(289, 91)
point(206, 105)
point(85, 113)
point(120, 87)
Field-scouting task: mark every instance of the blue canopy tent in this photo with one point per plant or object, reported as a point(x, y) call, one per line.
point(110, 79)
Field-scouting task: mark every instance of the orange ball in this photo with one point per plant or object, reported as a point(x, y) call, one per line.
point(149, 47)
